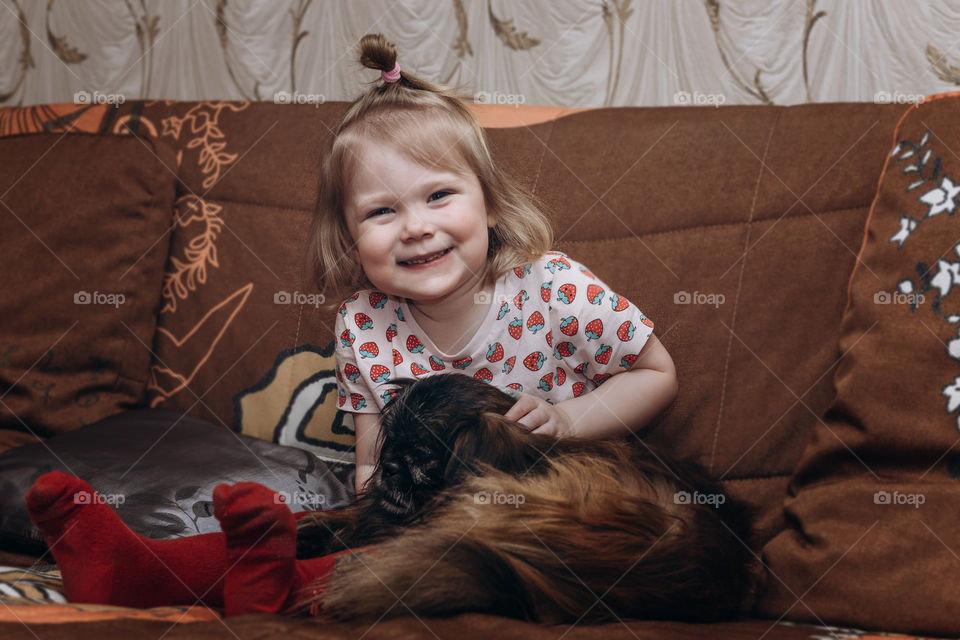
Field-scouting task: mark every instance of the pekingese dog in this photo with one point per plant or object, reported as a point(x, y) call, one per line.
point(468, 511)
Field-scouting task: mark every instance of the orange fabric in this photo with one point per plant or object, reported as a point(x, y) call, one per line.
point(62, 613)
point(496, 116)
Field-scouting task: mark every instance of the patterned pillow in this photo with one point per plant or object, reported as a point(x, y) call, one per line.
point(158, 469)
point(874, 503)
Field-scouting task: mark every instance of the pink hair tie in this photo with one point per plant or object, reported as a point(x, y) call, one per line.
point(393, 75)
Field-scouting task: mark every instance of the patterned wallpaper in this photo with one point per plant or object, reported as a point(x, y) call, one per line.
point(570, 53)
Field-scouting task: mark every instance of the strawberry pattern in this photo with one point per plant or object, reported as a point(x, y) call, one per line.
point(363, 321)
point(484, 374)
point(558, 345)
point(535, 322)
point(594, 329)
point(519, 299)
point(350, 371)
point(545, 290)
point(417, 370)
point(595, 293)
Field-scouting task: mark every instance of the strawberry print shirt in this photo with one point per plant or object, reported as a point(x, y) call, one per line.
point(553, 329)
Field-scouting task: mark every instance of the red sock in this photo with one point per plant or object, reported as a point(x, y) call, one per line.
point(264, 575)
point(103, 562)
point(308, 572)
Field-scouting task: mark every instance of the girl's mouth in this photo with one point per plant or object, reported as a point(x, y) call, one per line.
point(428, 259)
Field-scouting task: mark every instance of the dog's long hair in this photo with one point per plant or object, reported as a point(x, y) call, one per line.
point(468, 511)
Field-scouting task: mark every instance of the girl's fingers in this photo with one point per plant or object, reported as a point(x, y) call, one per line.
point(545, 426)
point(527, 423)
point(520, 408)
point(533, 419)
point(528, 412)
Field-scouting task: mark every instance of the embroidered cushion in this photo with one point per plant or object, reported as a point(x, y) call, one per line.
point(874, 506)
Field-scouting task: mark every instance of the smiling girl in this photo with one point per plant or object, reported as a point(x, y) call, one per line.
point(451, 266)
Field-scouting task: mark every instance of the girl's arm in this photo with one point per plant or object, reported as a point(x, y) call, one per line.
point(628, 400)
point(367, 427)
point(624, 403)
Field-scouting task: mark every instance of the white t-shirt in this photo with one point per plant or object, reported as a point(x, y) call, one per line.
point(553, 329)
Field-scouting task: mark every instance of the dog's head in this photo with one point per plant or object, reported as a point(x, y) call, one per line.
point(436, 430)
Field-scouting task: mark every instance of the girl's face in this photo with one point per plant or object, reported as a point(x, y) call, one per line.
point(420, 232)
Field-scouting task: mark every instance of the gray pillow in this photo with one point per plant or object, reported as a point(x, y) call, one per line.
point(158, 469)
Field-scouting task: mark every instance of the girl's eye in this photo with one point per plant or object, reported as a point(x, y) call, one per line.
point(436, 195)
point(377, 212)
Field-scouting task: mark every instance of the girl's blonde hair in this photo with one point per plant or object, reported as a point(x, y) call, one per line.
point(432, 124)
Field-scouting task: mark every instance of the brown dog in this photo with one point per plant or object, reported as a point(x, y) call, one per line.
point(470, 512)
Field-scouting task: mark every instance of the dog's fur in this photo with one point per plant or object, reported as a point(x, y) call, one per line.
point(599, 535)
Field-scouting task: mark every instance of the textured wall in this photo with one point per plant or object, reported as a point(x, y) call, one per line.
point(573, 53)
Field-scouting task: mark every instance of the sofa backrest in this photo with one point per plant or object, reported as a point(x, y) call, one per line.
point(733, 229)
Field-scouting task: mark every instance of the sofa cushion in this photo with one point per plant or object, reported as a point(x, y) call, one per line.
point(873, 506)
point(86, 221)
point(158, 469)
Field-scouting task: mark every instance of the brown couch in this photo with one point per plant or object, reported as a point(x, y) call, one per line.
point(735, 230)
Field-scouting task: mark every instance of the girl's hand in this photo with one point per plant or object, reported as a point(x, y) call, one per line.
point(539, 416)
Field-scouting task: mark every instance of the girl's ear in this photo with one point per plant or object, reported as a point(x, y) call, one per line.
point(354, 253)
point(492, 218)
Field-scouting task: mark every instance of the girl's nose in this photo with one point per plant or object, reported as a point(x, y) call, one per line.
point(416, 224)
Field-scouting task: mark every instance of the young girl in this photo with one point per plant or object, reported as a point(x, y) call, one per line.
point(456, 275)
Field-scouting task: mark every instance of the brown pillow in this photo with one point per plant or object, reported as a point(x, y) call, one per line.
point(874, 505)
point(85, 234)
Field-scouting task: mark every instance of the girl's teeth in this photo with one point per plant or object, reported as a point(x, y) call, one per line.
point(433, 257)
